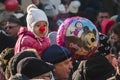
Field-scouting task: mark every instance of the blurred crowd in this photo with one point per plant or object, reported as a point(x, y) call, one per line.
point(44, 42)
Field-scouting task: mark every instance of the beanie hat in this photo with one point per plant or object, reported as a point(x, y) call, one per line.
point(74, 6)
point(50, 9)
point(33, 67)
point(55, 54)
point(52, 36)
point(104, 47)
point(16, 58)
point(35, 15)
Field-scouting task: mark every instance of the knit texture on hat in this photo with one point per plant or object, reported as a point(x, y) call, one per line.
point(33, 67)
point(55, 54)
point(35, 15)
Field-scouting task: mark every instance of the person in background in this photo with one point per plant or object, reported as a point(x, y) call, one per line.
point(114, 34)
point(34, 68)
point(60, 57)
point(35, 35)
point(114, 39)
point(12, 26)
point(51, 11)
point(102, 14)
point(11, 69)
point(115, 51)
point(8, 33)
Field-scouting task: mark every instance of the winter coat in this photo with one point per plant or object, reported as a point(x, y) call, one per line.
point(6, 41)
point(27, 39)
point(96, 67)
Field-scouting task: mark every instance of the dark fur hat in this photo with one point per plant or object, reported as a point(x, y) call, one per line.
point(23, 54)
point(33, 67)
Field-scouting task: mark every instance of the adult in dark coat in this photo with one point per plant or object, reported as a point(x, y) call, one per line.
point(8, 32)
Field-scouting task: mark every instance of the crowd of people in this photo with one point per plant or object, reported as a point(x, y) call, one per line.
point(60, 40)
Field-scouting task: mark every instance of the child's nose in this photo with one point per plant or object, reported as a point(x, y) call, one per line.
point(42, 28)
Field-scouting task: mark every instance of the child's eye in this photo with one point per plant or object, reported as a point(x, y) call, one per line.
point(45, 25)
point(38, 25)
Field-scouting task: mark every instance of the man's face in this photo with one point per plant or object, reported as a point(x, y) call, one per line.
point(63, 69)
point(11, 28)
point(102, 15)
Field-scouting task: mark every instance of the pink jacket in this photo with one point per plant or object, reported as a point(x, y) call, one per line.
point(26, 40)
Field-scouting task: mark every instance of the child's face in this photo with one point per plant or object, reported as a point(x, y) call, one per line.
point(41, 28)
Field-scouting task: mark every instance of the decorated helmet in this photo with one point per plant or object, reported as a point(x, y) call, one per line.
point(80, 36)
